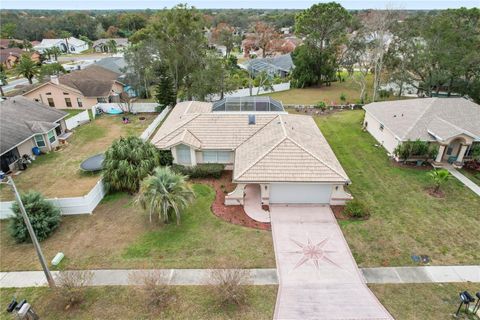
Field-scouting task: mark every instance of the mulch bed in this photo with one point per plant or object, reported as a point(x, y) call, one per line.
point(232, 214)
point(439, 194)
point(339, 215)
point(410, 165)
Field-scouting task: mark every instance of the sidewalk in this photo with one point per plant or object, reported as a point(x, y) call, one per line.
point(428, 274)
point(467, 182)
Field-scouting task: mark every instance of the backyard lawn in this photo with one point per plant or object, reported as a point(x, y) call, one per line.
point(119, 235)
point(405, 219)
point(58, 174)
point(423, 301)
point(111, 303)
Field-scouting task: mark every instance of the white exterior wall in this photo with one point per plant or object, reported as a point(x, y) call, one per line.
point(386, 138)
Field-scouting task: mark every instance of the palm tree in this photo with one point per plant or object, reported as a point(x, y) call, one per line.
point(48, 53)
point(55, 51)
point(112, 46)
point(3, 81)
point(439, 178)
point(165, 193)
point(65, 35)
point(27, 68)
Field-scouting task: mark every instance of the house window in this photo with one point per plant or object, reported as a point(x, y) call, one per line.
point(50, 102)
point(102, 100)
point(51, 136)
point(216, 156)
point(40, 141)
point(449, 151)
point(48, 93)
point(65, 93)
point(80, 103)
point(68, 102)
point(183, 154)
point(381, 127)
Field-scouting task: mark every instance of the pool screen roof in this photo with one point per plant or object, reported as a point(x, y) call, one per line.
point(248, 104)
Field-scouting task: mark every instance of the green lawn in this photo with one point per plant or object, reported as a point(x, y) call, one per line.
point(474, 176)
point(119, 235)
point(423, 301)
point(111, 303)
point(405, 219)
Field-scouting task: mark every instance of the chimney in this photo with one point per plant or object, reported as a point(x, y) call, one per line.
point(54, 79)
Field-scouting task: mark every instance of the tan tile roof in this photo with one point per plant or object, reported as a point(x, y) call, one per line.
point(412, 118)
point(278, 147)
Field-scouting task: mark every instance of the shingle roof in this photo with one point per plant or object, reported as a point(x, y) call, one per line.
point(93, 81)
point(5, 53)
point(21, 118)
point(278, 147)
point(114, 64)
point(119, 41)
point(428, 119)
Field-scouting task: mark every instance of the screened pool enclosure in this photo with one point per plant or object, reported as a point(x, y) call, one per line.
point(247, 104)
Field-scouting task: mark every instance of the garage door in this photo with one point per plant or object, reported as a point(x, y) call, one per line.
point(300, 193)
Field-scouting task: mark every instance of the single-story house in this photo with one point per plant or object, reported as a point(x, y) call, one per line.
point(74, 45)
point(79, 89)
point(452, 123)
point(26, 124)
point(101, 45)
point(9, 43)
point(10, 56)
point(279, 66)
point(285, 155)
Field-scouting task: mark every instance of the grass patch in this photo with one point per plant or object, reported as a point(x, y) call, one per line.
point(72, 112)
point(191, 302)
point(404, 219)
point(58, 174)
point(472, 175)
point(119, 235)
point(422, 301)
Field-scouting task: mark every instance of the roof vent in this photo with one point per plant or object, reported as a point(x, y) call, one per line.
point(251, 119)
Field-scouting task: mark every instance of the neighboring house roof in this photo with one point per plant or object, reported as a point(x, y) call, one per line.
point(428, 119)
point(121, 42)
point(5, 53)
point(22, 118)
point(278, 147)
point(5, 42)
point(114, 64)
point(93, 81)
point(46, 43)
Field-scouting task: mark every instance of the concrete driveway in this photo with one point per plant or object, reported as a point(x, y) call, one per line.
point(318, 276)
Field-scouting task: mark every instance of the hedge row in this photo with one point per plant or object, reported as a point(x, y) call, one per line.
point(204, 170)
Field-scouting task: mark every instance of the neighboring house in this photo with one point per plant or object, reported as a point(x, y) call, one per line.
point(285, 155)
point(10, 56)
point(74, 45)
point(27, 124)
point(115, 64)
point(279, 66)
point(452, 123)
point(101, 45)
point(78, 89)
point(8, 43)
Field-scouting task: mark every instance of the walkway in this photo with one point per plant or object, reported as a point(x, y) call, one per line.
point(427, 274)
point(253, 204)
point(318, 276)
point(467, 182)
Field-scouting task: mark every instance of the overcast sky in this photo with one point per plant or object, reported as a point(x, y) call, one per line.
point(277, 4)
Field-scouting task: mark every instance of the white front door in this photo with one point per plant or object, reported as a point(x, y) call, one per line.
point(300, 193)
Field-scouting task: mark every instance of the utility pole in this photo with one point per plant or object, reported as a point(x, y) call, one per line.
point(33, 236)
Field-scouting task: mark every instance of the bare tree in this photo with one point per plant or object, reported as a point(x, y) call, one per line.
point(71, 286)
point(153, 285)
point(265, 36)
point(125, 102)
point(229, 285)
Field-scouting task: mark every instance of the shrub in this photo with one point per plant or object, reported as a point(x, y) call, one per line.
point(153, 285)
point(343, 97)
point(71, 286)
point(44, 217)
point(166, 158)
point(204, 170)
point(229, 285)
point(127, 162)
point(417, 148)
point(439, 177)
point(356, 209)
point(321, 105)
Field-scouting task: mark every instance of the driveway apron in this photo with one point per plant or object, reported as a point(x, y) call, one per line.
point(318, 277)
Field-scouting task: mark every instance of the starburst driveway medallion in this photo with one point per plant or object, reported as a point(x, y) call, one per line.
point(314, 253)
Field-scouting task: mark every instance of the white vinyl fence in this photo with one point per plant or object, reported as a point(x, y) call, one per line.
point(85, 204)
point(77, 120)
point(245, 92)
point(153, 126)
point(68, 206)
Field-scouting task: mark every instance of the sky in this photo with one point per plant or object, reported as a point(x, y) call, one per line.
point(209, 4)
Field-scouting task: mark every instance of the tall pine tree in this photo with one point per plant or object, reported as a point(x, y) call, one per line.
point(165, 91)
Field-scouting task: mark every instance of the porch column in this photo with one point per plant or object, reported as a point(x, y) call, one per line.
point(462, 152)
point(441, 150)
